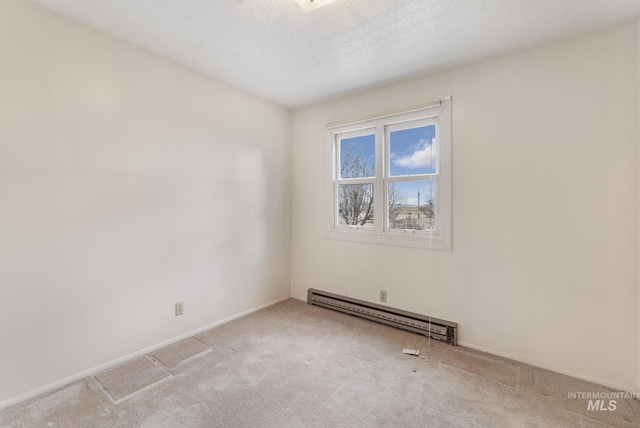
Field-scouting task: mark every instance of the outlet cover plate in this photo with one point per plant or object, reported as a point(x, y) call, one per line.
point(383, 296)
point(179, 308)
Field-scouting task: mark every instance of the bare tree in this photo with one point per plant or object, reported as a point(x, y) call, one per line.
point(355, 201)
point(427, 210)
point(397, 200)
point(353, 165)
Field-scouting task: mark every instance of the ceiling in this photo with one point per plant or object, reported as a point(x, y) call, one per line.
point(274, 50)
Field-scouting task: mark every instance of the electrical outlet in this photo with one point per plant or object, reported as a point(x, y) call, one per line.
point(179, 308)
point(383, 296)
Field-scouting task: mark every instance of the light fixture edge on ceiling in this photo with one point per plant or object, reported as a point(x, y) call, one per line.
point(311, 5)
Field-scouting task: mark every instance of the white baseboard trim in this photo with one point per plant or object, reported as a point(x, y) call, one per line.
point(97, 369)
point(620, 387)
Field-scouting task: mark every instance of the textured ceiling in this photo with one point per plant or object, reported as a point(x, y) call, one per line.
point(272, 49)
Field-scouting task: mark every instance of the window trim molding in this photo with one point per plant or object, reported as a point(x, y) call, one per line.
point(442, 239)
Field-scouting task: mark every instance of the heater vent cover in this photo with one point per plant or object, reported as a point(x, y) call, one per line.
point(437, 328)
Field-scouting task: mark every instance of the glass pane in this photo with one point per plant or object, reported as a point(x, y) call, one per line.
point(411, 204)
point(355, 204)
point(413, 151)
point(358, 156)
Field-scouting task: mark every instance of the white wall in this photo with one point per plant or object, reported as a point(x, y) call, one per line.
point(545, 217)
point(127, 183)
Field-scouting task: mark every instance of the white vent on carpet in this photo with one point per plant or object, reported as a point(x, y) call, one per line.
point(433, 327)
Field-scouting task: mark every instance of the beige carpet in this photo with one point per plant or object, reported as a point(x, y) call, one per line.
point(294, 365)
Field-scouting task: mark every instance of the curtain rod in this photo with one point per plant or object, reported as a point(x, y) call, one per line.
point(429, 104)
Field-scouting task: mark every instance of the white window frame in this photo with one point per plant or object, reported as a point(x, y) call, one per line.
point(435, 112)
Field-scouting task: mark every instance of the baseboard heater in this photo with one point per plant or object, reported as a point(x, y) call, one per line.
point(438, 329)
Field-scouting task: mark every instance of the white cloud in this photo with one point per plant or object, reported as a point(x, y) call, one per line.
point(422, 157)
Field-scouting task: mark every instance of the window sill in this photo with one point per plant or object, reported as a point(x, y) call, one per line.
point(397, 239)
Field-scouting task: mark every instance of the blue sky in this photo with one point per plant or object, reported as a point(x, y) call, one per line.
point(411, 151)
point(411, 189)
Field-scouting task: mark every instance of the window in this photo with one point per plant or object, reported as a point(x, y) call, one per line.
point(391, 178)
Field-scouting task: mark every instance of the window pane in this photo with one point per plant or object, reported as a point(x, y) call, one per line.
point(355, 204)
point(413, 151)
point(358, 156)
point(411, 204)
